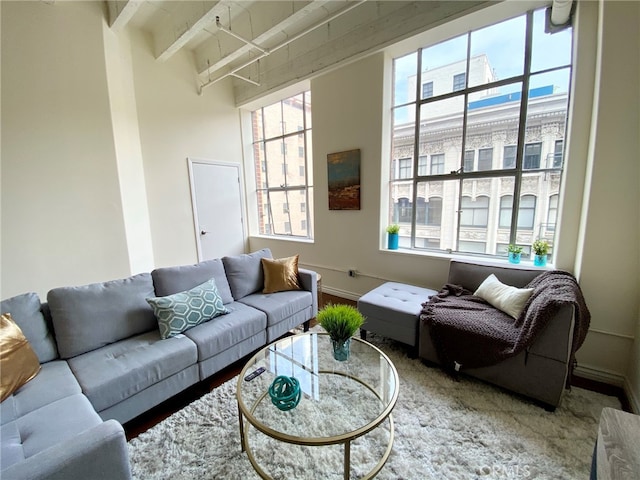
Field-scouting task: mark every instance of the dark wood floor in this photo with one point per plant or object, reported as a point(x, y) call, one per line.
point(154, 416)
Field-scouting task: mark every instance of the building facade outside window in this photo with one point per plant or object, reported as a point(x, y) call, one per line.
point(282, 127)
point(499, 124)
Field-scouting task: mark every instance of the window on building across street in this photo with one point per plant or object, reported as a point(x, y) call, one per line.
point(458, 81)
point(279, 128)
point(499, 119)
point(437, 164)
point(469, 160)
point(485, 159)
point(509, 157)
point(557, 154)
point(404, 168)
point(532, 155)
point(422, 165)
point(427, 90)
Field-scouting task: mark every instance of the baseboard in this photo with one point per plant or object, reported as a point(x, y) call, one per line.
point(340, 293)
point(634, 402)
point(600, 375)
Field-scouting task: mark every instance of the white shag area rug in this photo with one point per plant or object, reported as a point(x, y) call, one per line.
point(444, 429)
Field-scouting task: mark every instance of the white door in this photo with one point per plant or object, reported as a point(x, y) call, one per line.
point(216, 196)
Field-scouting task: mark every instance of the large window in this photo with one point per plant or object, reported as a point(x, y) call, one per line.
point(494, 132)
point(282, 159)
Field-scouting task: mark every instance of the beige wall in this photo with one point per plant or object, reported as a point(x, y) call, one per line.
point(95, 138)
point(176, 123)
point(611, 283)
point(62, 218)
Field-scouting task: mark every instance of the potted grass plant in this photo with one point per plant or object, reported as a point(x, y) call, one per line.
point(341, 322)
point(540, 251)
point(392, 236)
point(515, 252)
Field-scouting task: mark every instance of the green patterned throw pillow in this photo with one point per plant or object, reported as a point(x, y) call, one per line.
point(184, 310)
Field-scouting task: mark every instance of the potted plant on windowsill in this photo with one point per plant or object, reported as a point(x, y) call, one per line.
point(515, 252)
point(540, 251)
point(392, 236)
point(341, 322)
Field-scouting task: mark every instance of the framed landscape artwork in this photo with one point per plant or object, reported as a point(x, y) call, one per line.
point(344, 180)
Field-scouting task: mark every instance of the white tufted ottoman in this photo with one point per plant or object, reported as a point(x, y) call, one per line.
point(393, 310)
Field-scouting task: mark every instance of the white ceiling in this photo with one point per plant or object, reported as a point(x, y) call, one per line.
point(269, 44)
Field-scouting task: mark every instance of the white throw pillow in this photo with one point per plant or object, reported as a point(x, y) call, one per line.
point(510, 300)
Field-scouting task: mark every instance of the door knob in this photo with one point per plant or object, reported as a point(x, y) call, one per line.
point(203, 232)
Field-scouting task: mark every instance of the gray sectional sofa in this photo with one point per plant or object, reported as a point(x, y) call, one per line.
point(103, 361)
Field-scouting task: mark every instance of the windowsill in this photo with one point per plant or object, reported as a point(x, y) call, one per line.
point(284, 238)
point(480, 259)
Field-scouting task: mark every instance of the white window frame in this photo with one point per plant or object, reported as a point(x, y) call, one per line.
point(498, 153)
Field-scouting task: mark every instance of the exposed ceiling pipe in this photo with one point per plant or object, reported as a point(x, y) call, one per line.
point(560, 11)
point(266, 52)
point(558, 16)
point(239, 37)
point(253, 82)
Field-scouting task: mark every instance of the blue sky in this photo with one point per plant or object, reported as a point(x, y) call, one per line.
point(504, 46)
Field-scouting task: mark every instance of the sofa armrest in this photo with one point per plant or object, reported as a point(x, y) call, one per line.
point(309, 282)
point(98, 453)
point(556, 339)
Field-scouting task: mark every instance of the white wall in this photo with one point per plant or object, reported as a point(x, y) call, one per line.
point(176, 123)
point(609, 251)
point(126, 134)
point(95, 138)
point(62, 219)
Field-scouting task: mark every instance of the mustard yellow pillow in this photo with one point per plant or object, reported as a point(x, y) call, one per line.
point(280, 274)
point(18, 361)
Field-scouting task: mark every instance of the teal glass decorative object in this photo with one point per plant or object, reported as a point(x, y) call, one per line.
point(285, 392)
point(392, 242)
point(540, 260)
point(514, 257)
point(341, 349)
point(393, 232)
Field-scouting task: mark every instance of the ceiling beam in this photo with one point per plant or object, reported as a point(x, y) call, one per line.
point(368, 29)
point(187, 22)
point(121, 12)
point(210, 57)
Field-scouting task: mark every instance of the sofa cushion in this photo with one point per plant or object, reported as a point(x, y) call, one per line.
point(118, 371)
point(55, 381)
point(18, 361)
point(26, 311)
point(280, 274)
point(184, 310)
point(170, 280)
point(510, 300)
point(279, 306)
point(91, 316)
point(226, 331)
point(244, 272)
point(54, 423)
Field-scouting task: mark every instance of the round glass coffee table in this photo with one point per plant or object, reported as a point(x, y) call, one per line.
point(340, 401)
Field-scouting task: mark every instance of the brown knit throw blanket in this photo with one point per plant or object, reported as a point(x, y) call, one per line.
point(468, 331)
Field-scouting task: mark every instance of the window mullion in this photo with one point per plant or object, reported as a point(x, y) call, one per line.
point(522, 127)
point(464, 144)
point(306, 164)
point(416, 149)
